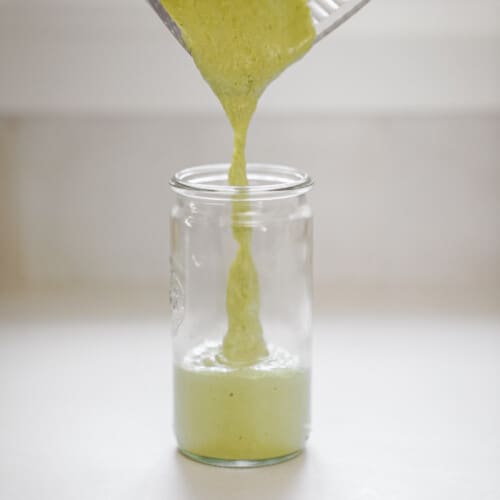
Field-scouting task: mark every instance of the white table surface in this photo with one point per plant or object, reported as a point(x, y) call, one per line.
point(403, 408)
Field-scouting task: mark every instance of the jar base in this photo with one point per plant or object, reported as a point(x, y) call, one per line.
point(239, 464)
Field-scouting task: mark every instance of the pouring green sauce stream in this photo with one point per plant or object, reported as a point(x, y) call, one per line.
point(240, 46)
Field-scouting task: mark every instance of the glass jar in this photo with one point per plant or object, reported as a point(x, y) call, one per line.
point(241, 292)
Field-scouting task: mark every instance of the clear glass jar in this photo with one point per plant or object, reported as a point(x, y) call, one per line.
point(241, 293)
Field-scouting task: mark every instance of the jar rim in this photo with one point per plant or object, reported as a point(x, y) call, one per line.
point(264, 179)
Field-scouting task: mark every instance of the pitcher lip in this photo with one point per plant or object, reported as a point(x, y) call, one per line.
point(264, 179)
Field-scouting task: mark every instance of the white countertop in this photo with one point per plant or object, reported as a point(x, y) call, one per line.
point(403, 408)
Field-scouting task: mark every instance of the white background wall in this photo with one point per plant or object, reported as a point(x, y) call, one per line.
point(399, 202)
point(397, 116)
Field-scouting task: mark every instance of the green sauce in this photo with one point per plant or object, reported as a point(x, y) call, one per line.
point(242, 399)
point(240, 46)
point(256, 412)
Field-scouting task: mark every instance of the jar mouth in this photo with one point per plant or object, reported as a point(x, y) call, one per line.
point(264, 180)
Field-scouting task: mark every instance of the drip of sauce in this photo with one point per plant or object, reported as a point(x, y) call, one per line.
point(240, 46)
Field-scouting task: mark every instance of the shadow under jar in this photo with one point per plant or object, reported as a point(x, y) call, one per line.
point(241, 293)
